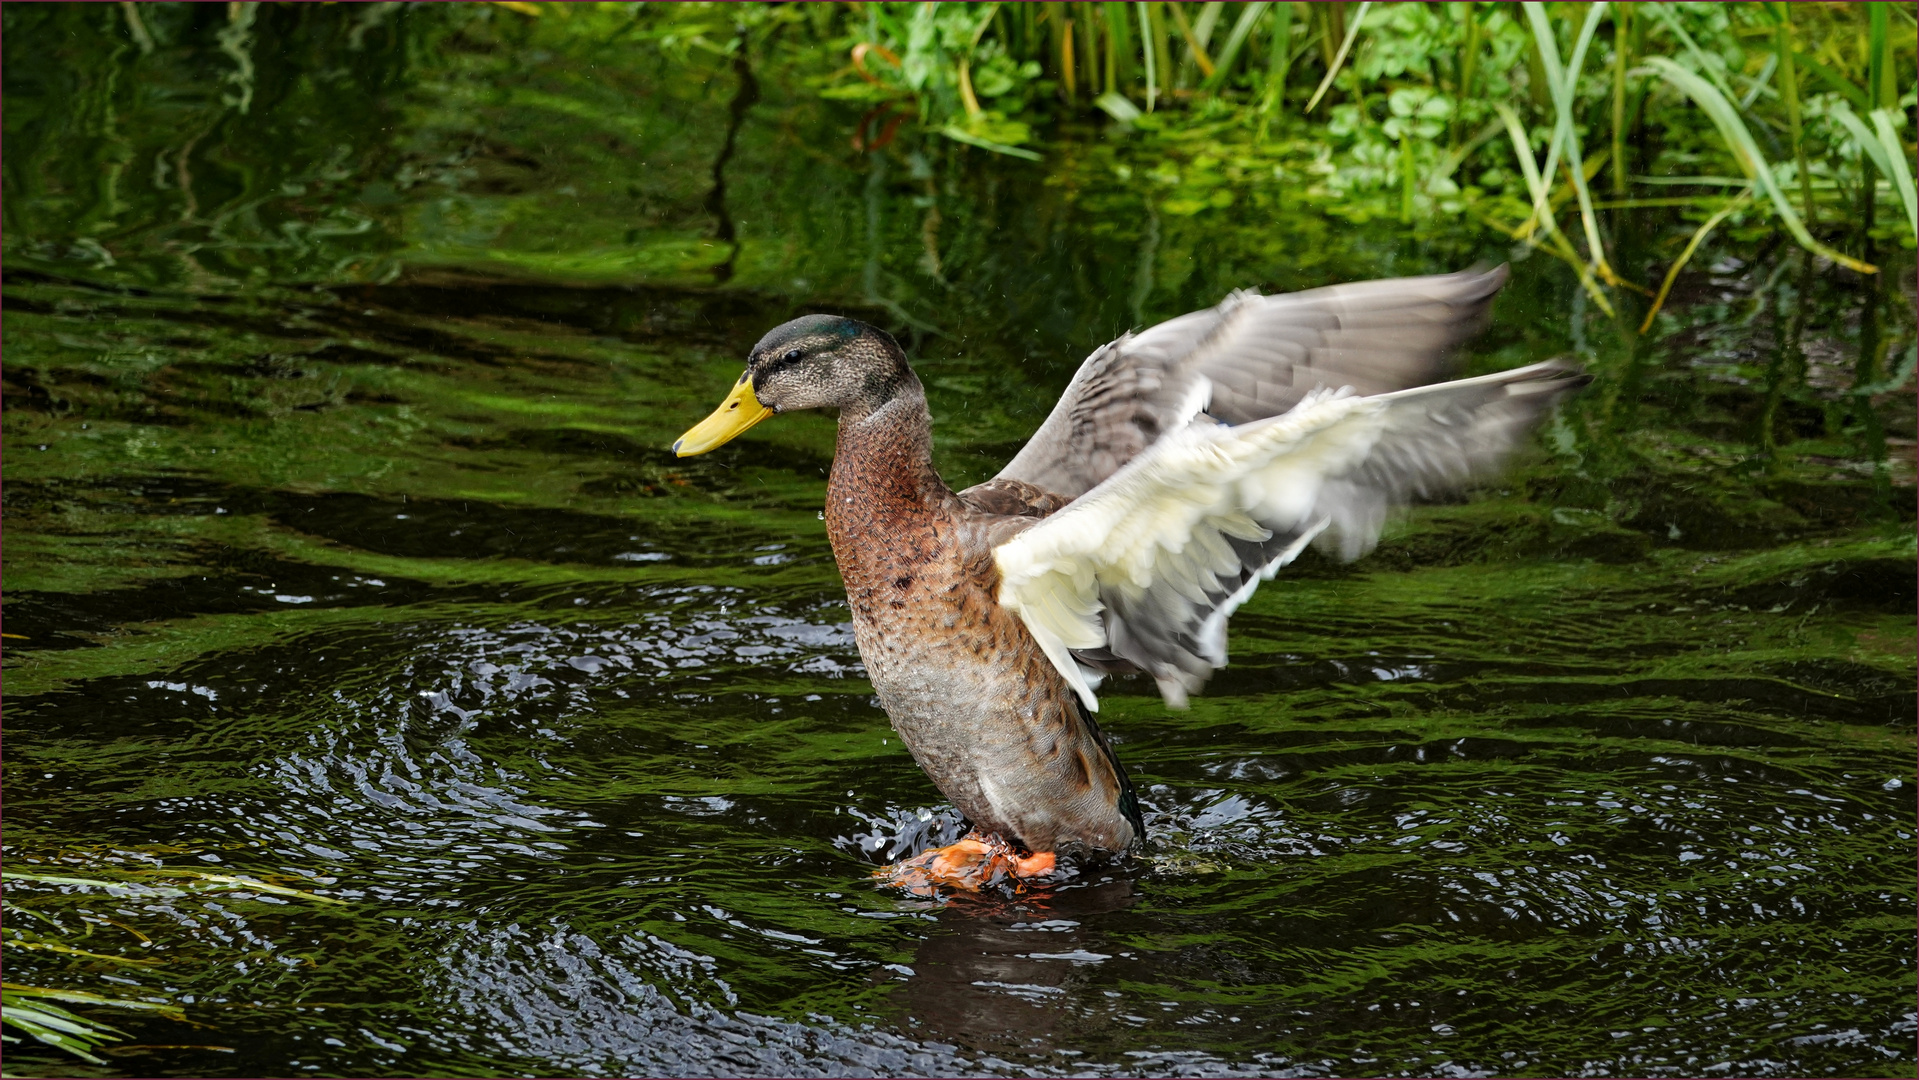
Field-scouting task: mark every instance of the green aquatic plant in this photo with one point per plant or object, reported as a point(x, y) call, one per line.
point(1562, 80)
point(1332, 68)
point(168, 881)
point(1888, 153)
point(406, 341)
point(1542, 202)
point(1745, 150)
point(31, 1009)
point(1704, 118)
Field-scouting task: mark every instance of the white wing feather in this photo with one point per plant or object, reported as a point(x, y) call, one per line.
point(1152, 561)
point(1159, 522)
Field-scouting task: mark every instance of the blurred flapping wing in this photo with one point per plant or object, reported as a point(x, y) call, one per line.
point(1249, 358)
point(1148, 565)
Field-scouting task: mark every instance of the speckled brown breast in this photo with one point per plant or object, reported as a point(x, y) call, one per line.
point(969, 691)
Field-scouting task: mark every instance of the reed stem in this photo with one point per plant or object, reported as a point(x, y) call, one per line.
point(1621, 46)
point(1789, 89)
point(1278, 62)
point(1146, 51)
point(1468, 64)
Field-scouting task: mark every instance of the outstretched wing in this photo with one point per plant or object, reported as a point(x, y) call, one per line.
point(1249, 358)
point(1151, 563)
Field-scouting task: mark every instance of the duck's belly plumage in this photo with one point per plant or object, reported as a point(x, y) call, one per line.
point(969, 691)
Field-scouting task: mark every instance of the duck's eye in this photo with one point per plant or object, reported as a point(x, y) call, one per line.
point(792, 357)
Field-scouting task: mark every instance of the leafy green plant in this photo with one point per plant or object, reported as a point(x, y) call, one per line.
point(1888, 154)
point(1746, 150)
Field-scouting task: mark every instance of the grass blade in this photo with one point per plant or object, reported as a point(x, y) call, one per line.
point(68, 950)
point(1162, 41)
point(1698, 237)
point(61, 879)
point(1879, 56)
point(1193, 42)
point(1146, 49)
point(1118, 106)
point(1068, 68)
point(210, 881)
point(1451, 162)
point(1537, 185)
point(1789, 90)
point(1209, 15)
point(1279, 63)
point(960, 134)
point(1740, 141)
point(1868, 142)
point(1562, 81)
point(86, 998)
point(1899, 169)
point(1528, 168)
point(1622, 44)
point(1664, 11)
point(965, 63)
point(1236, 41)
point(1339, 59)
point(1887, 153)
point(53, 1025)
point(1759, 83)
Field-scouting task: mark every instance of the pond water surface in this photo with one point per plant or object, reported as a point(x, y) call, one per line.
point(356, 563)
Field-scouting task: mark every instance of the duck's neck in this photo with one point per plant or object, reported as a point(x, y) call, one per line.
point(883, 475)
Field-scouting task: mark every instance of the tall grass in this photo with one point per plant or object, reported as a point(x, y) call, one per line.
point(1788, 119)
point(1155, 57)
point(974, 75)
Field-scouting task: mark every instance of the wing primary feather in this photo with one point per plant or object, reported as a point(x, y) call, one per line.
point(1258, 356)
point(1147, 567)
point(1212, 631)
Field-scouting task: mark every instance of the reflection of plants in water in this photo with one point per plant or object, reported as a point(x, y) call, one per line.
point(227, 165)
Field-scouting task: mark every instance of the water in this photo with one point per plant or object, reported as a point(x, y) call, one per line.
point(354, 562)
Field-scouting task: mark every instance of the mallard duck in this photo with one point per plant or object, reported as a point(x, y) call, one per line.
point(1182, 466)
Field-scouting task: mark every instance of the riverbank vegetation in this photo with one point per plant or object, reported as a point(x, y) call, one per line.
point(339, 256)
point(1615, 137)
point(1632, 142)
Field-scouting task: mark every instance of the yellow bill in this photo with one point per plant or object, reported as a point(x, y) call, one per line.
point(740, 410)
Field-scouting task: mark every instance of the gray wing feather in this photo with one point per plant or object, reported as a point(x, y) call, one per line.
point(1437, 439)
point(1430, 440)
point(1256, 356)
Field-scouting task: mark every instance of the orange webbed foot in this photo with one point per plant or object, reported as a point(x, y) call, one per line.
point(974, 863)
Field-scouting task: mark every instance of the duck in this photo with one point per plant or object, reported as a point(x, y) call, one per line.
point(1184, 465)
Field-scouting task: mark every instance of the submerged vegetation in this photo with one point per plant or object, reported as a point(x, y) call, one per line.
point(51, 908)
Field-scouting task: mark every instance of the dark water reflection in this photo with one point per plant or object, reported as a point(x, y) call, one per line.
point(380, 583)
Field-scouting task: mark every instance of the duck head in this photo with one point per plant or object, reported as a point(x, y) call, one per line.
point(813, 362)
